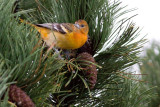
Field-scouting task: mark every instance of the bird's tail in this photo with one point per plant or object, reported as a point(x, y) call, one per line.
point(23, 21)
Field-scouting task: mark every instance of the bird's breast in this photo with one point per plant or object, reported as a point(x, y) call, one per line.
point(71, 41)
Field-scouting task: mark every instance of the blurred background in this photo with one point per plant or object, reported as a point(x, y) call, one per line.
point(148, 19)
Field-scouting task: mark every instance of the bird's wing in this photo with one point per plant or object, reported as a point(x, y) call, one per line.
point(62, 28)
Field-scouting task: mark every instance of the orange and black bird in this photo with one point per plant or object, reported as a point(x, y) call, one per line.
point(64, 35)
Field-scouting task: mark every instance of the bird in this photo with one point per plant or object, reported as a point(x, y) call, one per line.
point(63, 35)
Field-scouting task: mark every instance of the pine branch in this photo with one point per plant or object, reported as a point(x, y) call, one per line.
point(17, 43)
point(5, 74)
point(62, 82)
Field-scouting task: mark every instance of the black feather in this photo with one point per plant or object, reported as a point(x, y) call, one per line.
point(53, 26)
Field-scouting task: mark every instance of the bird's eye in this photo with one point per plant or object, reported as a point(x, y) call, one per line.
point(82, 25)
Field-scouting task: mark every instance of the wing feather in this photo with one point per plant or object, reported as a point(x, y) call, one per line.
point(62, 28)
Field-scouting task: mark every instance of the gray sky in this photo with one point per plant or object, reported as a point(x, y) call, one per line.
point(148, 16)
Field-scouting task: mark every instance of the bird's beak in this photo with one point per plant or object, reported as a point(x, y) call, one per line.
point(77, 25)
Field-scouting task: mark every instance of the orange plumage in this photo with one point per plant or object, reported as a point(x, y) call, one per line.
point(64, 35)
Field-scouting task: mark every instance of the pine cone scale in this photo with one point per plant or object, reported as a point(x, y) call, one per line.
point(18, 96)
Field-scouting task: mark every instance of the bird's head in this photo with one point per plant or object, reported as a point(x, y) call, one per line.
point(83, 26)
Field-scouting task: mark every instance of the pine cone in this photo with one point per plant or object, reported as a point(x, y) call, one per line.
point(18, 96)
point(90, 69)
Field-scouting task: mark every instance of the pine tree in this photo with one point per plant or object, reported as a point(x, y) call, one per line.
point(150, 66)
point(98, 79)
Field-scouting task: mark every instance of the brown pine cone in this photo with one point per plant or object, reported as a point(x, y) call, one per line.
point(90, 69)
point(18, 96)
